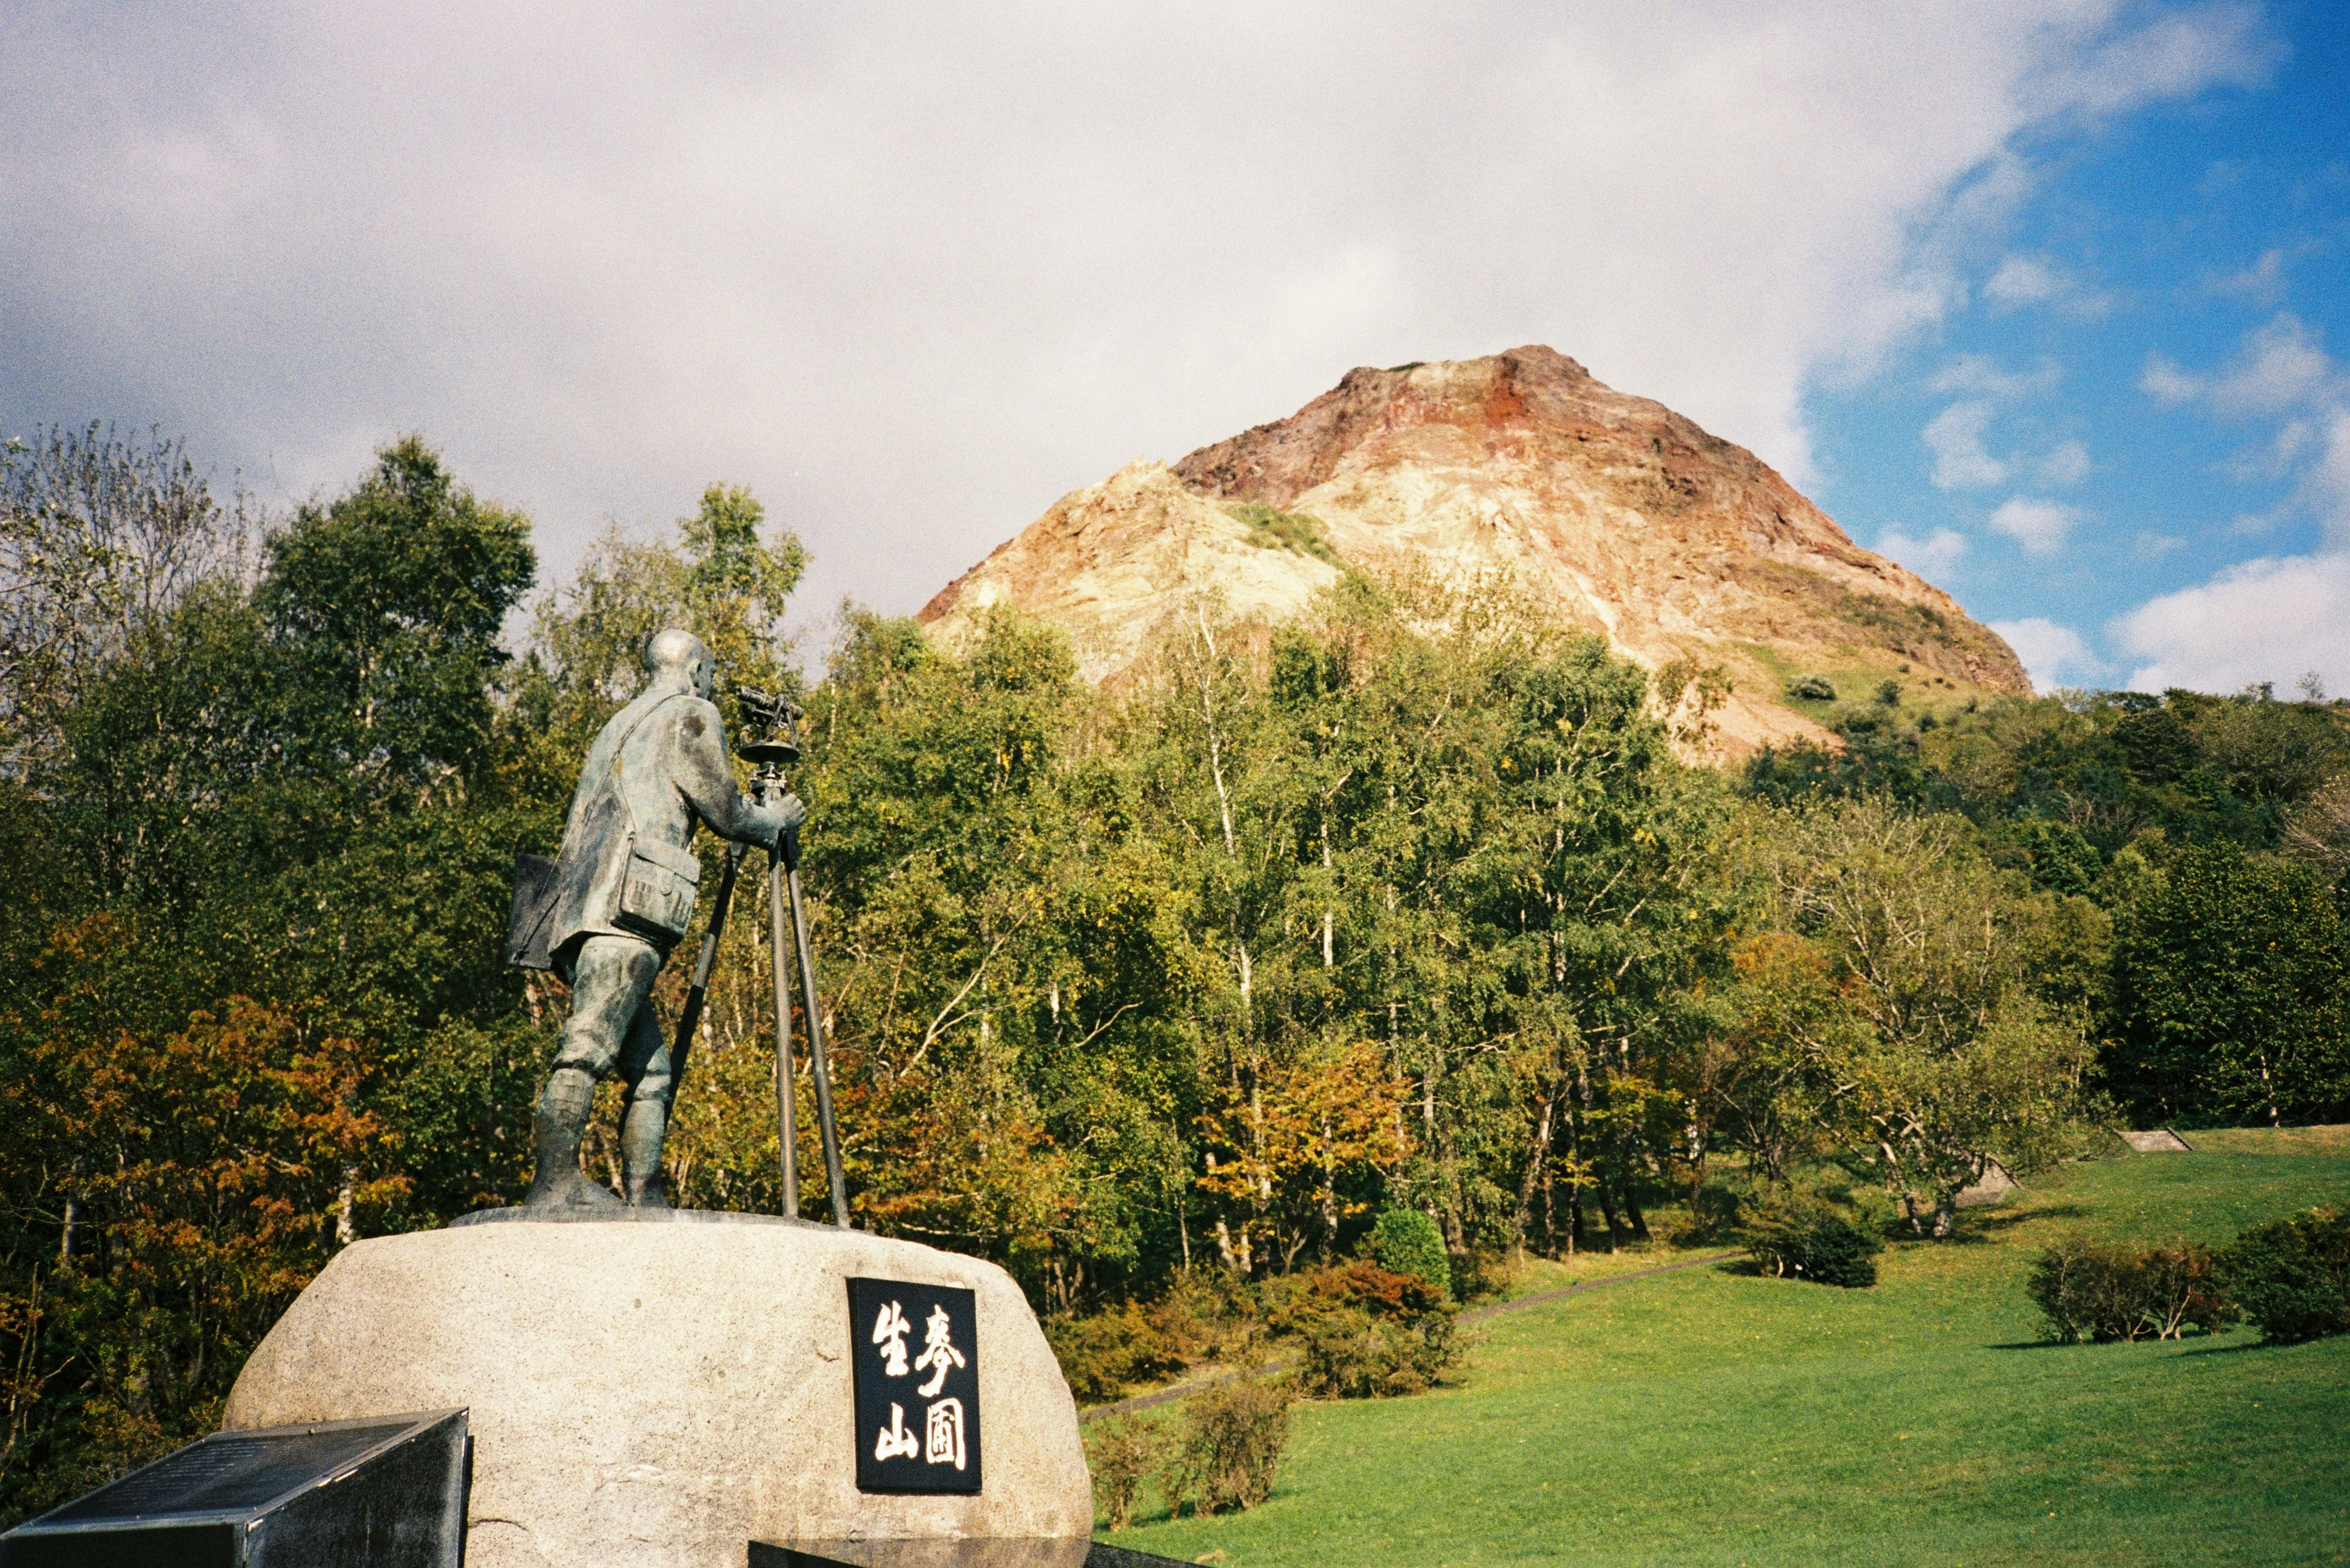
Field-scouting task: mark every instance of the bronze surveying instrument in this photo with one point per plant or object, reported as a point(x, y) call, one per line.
point(775, 720)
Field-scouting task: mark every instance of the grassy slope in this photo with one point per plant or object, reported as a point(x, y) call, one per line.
point(1712, 1418)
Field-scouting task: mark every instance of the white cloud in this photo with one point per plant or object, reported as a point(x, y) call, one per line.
point(2165, 383)
point(2053, 655)
point(2327, 489)
point(2025, 280)
point(2277, 458)
point(1932, 557)
point(2278, 367)
point(2223, 175)
point(2271, 619)
point(2035, 280)
point(2262, 282)
point(2221, 42)
point(2040, 526)
point(1983, 374)
point(2067, 463)
point(1955, 437)
point(913, 272)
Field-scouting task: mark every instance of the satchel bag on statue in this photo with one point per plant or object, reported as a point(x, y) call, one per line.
point(657, 893)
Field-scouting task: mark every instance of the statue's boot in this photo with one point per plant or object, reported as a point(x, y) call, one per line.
point(555, 1132)
point(641, 1154)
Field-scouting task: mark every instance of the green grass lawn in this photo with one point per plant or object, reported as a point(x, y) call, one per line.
point(1709, 1417)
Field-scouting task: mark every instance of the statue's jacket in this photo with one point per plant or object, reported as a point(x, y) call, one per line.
point(658, 767)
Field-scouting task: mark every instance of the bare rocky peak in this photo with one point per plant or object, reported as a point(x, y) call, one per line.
point(1626, 517)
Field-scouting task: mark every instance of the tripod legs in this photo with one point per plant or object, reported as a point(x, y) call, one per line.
point(784, 883)
point(819, 1067)
point(787, 1111)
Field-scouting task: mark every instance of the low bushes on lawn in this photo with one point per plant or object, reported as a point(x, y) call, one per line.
point(1811, 1239)
point(2088, 1292)
point(1122, 1455)
point(1363, 1331)
point(2293, 1276)
point(1406, 1241)
point(1206, 1315)
point(1369, 1333)
point(1106, 1353)
point(1229, 1449)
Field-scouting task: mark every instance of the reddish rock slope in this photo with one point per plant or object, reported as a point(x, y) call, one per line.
point(1626, 516)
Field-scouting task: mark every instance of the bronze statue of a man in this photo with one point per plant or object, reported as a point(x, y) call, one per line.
point(616, 900)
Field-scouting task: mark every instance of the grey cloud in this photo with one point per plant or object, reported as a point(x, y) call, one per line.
point(912, 275)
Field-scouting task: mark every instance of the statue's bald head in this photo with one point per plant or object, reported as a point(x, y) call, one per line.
point(678, 655)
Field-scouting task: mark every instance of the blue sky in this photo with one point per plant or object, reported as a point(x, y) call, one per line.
point(2139, 393)
point(2044, 298)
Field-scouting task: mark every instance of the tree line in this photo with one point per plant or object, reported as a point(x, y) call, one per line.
point(1408, 904)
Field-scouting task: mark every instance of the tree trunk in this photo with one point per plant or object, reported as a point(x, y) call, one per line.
point(68, 1232)
point(1235, 1258)
point(1550, 1215)
point(347, 1229)
point(1329, 951)
point(1698, 1141)
point(1537, 1164)
point(1330, 1194)
point(1632, 1200)
point(1575, 1184)
point(1215, 742)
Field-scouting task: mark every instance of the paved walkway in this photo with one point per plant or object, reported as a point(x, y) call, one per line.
point(1493, 1309)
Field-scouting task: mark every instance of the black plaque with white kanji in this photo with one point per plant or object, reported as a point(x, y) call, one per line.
point(915, 1349)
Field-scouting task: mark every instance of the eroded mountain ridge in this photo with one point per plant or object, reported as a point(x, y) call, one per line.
point(1626, 517)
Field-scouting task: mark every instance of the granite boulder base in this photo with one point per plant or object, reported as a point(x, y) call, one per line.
point(663, 1394)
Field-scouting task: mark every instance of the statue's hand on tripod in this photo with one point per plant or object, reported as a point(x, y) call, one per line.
point(772, 818)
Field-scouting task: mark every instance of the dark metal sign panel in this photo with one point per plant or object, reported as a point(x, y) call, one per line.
point(915, 1351)
point(230, 1472)
point(388, 1493)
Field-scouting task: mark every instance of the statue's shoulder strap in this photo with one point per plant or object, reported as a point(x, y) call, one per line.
point(621, 744)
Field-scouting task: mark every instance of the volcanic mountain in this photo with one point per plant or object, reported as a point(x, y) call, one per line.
point(1519, 469)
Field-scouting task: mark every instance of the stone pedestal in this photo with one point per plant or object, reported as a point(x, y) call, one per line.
point(662, 1394)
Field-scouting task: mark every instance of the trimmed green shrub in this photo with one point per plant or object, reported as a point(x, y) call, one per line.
point(1477, 1275)
point(1370, 1333)
point(1104, 1354)
point(1122, 1454)
point(1232, 1445)
point(1811, 1239)
point(1351, 1355)
point(2293, 1277)
point(1407, 1241)
point(2089, 1292)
